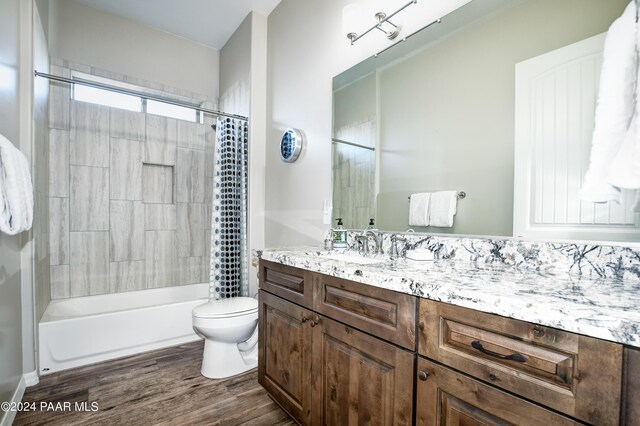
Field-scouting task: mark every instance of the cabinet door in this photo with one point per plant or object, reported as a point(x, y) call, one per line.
point(359, 379)
point(445, 397)
point(284, 362)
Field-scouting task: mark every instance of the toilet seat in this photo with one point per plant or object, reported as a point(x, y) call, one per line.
point(226, 308)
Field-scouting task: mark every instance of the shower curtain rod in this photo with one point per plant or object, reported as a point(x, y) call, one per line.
point(135, 93)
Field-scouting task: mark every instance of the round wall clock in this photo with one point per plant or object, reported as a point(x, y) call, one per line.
point(291, 145)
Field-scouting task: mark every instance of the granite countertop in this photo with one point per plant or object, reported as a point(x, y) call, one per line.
point(605, 308)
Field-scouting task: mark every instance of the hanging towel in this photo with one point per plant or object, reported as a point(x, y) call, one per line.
point(442, 208)
point(16, 190)
point(614, 110)
point(419, 209)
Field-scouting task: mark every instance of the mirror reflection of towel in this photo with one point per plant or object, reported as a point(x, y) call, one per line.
point(444, 205)
point(419, 209)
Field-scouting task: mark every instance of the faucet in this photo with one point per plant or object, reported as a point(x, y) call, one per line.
point(376, 238)
point(393, 251)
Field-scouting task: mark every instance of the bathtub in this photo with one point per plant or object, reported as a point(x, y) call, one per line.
point(86, 330)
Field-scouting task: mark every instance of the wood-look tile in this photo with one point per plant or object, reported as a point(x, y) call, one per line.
point(192, 135)
point(161, 140)
point(190, 229)
point(58, 163)
point(58, 231)
point(89, 137)
point(126, 169)
point(157, 184)
point(190, 176)
point(161, 258)
point(59, 113)
point(160, 217)
point(89, 202)
point(127, 124)
point(127, 230)
point(89, 264)
point(127, 276)
point(162, 387)
point(59, 279)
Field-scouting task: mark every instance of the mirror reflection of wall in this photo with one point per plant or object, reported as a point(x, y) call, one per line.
point(354, 152)
point(446, 111)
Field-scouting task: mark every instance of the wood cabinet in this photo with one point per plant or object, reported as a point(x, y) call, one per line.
point(576, 375)
point(322, 371)
point(446, 397)
point(284, 345)
point(334, 351)
point(359, 379)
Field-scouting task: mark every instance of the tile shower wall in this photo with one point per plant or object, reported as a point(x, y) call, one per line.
point(354, 172)
point(129, 197)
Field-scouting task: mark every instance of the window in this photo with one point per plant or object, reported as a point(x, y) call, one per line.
point(173, 111)
point(108, 98)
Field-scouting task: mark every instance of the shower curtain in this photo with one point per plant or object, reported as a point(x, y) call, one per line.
point(229, 263)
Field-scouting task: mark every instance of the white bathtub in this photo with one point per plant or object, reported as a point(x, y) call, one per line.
point(85, 330)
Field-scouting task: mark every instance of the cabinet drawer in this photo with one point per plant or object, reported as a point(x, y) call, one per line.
point(383, 313)
point(574, 374)
point(445, 397)
point(290, 283)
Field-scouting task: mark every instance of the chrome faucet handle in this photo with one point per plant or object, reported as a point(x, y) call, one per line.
point(394, 252)
point(363, 243)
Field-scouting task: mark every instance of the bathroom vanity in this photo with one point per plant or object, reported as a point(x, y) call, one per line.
point(443, 342)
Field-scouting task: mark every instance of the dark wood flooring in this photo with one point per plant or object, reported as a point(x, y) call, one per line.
point(162, 387)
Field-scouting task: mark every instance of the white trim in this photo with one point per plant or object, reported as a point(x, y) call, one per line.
point(9, 416)
point(31, 379)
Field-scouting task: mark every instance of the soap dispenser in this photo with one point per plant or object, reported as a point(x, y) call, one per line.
point(371, 227)
point(339, 236)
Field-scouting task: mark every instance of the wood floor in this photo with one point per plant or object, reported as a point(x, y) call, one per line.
point(162, 387)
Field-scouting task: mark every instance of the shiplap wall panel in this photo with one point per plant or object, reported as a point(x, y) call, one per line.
point(555, 108)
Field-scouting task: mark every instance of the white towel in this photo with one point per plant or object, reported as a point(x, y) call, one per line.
point(419, 209)
point(614, 110)
point(442, 208)
point(16, 190)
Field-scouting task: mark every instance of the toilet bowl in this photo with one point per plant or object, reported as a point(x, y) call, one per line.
point(229, 329)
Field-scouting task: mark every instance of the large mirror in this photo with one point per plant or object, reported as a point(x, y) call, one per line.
point(440, 112)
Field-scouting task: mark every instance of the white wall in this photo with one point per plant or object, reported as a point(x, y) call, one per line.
point(85, 35)
point(306, 48)
point(10, 275)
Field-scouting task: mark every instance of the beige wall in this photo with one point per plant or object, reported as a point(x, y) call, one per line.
point(307, 48)
point(447, 113)
point(10, 277)
point(85, 35)
point(235, 71)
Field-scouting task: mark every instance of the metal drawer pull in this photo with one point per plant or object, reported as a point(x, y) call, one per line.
point(513, 357)
point(305, 319)
point(315, 321)
point(423, 375)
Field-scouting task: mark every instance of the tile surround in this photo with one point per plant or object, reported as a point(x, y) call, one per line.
point(89, 207)
point(89, 137)
point(125, 169)
point(115, 221)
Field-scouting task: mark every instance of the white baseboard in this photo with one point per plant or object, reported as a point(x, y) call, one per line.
point(31, 379)
point(9, 416)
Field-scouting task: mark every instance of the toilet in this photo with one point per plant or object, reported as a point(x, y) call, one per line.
point(229, 327)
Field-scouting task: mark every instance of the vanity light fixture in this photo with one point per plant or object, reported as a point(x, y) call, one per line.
point(384, 24)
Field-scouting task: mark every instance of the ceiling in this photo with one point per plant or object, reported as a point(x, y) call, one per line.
point(210, 22)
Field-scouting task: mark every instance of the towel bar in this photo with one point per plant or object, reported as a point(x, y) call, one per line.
point(461, 195)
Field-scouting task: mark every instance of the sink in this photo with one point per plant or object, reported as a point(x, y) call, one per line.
point(342, 257)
